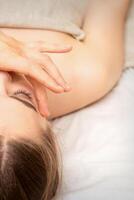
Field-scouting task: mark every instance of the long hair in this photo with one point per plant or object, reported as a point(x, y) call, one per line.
point(29, 171)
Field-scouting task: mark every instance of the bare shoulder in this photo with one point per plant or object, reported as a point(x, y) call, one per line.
point(73, 68)
point(87, 76)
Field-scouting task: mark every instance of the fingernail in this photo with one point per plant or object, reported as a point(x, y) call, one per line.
point(60, 88)
point(45, 113)
point(67, 88)
point(48, 114)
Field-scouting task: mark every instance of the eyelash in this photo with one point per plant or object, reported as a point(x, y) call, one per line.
point(28, 94)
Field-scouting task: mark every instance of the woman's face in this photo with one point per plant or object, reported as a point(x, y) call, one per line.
point(18, 110)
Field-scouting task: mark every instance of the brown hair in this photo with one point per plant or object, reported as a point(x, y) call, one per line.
point(29, 171)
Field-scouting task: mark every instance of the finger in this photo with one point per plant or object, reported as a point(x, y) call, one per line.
point(48, 47)
point(21, 65)
point(51, 69)
point(41, 97)
point(45, 79)
point(54, 72)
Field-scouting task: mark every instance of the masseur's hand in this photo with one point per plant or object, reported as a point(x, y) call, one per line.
point(28, 59)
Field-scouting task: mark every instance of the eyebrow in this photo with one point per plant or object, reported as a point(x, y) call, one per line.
point(26, 103)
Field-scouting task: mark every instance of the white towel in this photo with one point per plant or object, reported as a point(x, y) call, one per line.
point(97, 146)
point(130, 37)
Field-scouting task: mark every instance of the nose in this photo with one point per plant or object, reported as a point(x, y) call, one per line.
point(4, 80)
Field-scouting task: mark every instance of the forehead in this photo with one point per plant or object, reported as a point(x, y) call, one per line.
point(18, 120)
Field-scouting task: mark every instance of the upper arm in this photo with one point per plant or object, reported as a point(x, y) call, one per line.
point(103, 15)
point(104, 28)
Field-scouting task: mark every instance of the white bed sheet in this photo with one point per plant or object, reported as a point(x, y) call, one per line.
point(98, 147)
point(97, 142)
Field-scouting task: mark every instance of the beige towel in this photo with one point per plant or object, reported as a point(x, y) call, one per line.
point(61, 15)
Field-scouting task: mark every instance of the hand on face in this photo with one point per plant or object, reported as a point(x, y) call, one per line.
point(38, 68)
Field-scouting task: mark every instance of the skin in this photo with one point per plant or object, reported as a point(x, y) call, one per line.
point(38, 68)
point(18, 120)
point(92, 69)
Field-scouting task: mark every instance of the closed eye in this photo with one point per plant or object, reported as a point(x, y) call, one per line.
point(24, 93)
point(26, 103)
